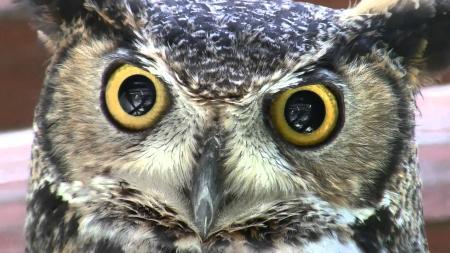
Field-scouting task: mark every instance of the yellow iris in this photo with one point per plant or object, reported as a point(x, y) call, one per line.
point(146, 95)
point(327, 122)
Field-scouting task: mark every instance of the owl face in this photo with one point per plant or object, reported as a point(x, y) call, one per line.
point(221, 108)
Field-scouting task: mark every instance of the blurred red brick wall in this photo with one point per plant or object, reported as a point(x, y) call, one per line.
point(22, 64)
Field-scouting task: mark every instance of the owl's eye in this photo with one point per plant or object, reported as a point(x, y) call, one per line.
point(305, 116)
point(135, 98)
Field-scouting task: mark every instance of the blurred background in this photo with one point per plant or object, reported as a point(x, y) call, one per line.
point(22, 64)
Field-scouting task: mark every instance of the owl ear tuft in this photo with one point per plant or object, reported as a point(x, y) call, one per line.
point(417, 30)
point(50, 15)
point(56, 18)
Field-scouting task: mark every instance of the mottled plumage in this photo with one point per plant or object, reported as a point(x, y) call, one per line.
point(98, 187)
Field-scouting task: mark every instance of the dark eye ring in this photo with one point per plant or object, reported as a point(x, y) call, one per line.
point(135, 98)
point(306, 115)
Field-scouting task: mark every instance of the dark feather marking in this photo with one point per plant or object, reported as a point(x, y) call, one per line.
point(106, 246)
point(367, 234)
point(293, 222)
point(49, 224)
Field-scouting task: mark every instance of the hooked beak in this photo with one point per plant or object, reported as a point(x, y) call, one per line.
point(204, 195)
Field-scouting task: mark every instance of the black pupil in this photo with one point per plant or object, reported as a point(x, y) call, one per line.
point(304, 111)
point(137, 95)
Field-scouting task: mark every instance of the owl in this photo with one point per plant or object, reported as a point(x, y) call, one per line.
point(231, 126)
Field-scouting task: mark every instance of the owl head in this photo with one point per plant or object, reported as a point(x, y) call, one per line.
point(229, 111)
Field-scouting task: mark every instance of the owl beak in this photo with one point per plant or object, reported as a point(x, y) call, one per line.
point(204, 195)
